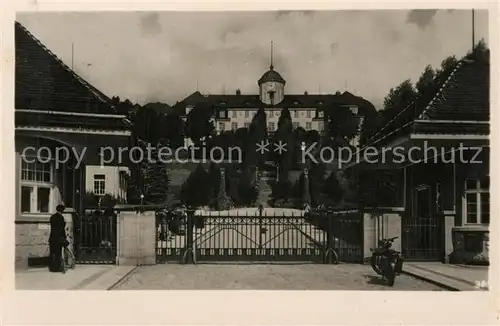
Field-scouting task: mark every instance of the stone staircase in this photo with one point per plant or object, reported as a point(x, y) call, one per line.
point(265, 189)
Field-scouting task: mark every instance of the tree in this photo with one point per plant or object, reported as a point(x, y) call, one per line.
point(282, 189)
point(317, 173)
point(148, 125)
point(333, 189)
point(397, 99)
point(198, 124)
point(196, 189)
point(447, 64)
point(342, 126)
point(156, 182)
point(173, 130)
point(256, 134)
point(426, 80)
point(284, 136)
point(481, 52)
point(377, 188)
point(246, 188)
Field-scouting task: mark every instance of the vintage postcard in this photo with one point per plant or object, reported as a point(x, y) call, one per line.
point(219, 148)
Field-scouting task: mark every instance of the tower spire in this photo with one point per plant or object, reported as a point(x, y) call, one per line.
point(271, 66)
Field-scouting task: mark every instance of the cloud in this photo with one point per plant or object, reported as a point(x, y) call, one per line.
point(150, 24)
point(160, 56)
point(421, 17)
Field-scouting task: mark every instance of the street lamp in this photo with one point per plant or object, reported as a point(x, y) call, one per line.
point(142, 199)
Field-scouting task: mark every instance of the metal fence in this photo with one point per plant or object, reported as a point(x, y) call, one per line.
point(257, 237)
point(95, 237)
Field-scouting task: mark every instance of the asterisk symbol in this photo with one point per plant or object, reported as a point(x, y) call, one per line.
point(262, 147)
point(280, 147)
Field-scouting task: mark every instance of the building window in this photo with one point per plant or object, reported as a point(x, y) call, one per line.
point(270, 113)
point(295, 125)
point(234, 125)
point(99, 184)
point(477, 201)
point(320, 114)
point(295, 113)
point(247, 125)
point(247, 114)
point(308, 113)
point(270, 127)
point(36, 186)
point(308, 125)
point(222, 126)
point(222, 114)
point(235, 114)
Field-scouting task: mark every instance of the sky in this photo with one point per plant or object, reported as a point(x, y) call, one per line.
point(165, 56)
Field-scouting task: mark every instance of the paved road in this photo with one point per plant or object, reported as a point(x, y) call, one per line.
point(265, 277)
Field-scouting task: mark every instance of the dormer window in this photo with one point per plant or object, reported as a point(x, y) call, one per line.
point(295, 103)
point(222, 114)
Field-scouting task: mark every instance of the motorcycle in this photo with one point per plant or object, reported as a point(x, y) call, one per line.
point(386, 261)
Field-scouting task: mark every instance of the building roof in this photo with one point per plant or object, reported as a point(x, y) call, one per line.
point(461, 97)
point(241, 101)
point(271, 76)
point(44, 82)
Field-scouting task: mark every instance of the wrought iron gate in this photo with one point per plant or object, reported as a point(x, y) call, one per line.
point(421, 229)
point(223, 237)
point(95, 237)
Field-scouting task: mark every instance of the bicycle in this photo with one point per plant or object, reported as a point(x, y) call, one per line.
point(68, 259)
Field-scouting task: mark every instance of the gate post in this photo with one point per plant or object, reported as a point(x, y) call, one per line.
point(261, 209)
point(329, 240)
point(188, 255)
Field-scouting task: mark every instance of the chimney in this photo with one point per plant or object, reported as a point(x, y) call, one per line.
point(238, 92)
point(305, 93)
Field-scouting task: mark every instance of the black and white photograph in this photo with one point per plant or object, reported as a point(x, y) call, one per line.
point(252, 150)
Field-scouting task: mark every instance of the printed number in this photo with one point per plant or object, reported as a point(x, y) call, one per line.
point(481, 284)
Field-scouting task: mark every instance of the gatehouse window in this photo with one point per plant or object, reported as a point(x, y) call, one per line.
point(477, 201)
point(99, 184)
point(36, 184)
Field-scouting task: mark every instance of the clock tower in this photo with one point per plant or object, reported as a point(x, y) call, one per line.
point(271, 85)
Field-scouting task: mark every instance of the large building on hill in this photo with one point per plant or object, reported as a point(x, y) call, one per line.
point(234, 111)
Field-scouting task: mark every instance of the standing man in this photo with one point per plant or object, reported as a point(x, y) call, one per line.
point(57, 239)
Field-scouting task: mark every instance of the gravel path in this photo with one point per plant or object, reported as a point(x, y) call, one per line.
point(265, 277)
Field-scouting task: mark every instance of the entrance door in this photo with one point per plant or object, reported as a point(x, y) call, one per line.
point(421, 228)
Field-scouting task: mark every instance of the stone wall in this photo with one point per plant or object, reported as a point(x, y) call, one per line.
point(380, 225)
point(32, 239)
point(470, 245)
point(136, 238)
